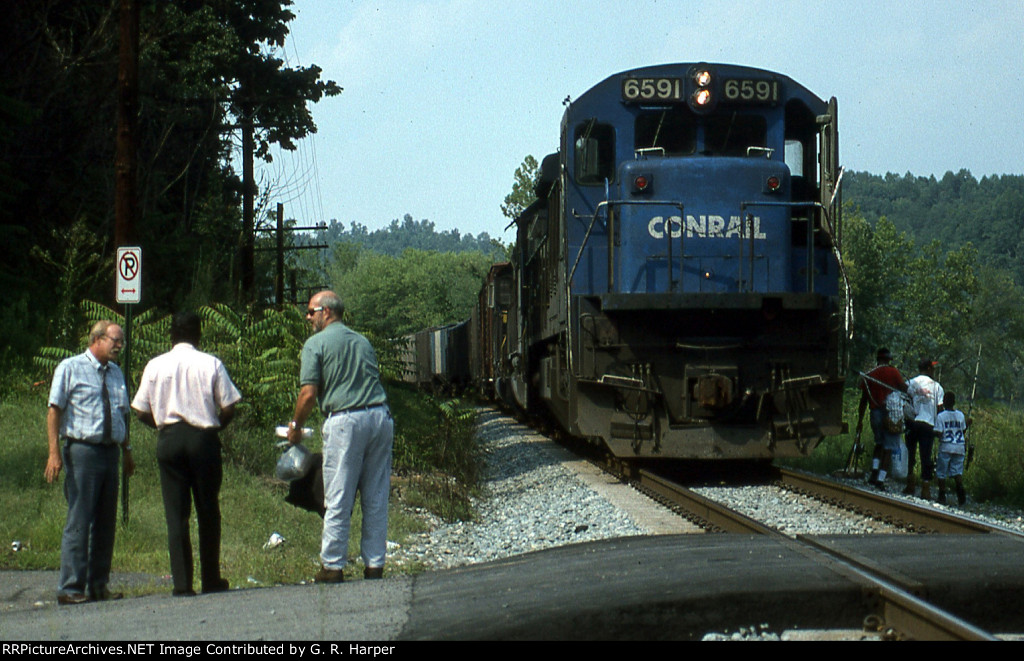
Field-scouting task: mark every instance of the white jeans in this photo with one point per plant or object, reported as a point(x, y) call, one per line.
point(357, 456)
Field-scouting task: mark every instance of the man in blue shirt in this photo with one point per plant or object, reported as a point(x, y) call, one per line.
point(87, 408)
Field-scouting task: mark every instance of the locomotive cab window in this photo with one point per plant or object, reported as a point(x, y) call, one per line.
point(672, 131)
point(731, 134)
point(594, 152)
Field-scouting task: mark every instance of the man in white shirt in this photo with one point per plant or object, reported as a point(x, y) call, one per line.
point(188, 396)
point(926, 394)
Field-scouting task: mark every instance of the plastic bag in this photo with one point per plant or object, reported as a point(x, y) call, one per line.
point(294, 463)
point(899, 461)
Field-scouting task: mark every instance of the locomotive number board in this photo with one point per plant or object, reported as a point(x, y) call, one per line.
point(737, 90)
point(674, 90)
point(653, 89)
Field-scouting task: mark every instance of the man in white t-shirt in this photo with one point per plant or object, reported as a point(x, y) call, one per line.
point(926, 394)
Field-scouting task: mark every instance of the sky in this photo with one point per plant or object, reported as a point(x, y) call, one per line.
point(443, 99)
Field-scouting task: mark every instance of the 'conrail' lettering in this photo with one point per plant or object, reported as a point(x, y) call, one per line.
point(706, 227)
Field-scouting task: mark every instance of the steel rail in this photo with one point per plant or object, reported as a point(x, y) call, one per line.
point(877, 505)
point(896, 611)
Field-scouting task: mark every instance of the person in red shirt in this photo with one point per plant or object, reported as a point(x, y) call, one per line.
point(875, 387)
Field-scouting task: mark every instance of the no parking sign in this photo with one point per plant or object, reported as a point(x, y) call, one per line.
point(129, 275)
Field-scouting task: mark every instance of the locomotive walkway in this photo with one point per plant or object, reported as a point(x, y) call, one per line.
point(649, 588)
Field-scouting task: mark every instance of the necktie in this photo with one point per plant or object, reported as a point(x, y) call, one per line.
point(106, 405)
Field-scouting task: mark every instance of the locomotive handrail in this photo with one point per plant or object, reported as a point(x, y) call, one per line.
point(826, 218)
point(610, 203)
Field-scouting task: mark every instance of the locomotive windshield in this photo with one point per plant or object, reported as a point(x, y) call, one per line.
point(673, 131)
point(731, 134)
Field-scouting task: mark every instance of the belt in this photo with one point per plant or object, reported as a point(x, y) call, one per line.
point(353, 409)
point(69, 441)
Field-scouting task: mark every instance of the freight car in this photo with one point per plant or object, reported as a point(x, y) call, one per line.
point(436, 359)
point(677, 289)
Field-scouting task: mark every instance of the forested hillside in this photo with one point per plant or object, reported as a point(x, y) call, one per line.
point(953, 210)
point(394, 239)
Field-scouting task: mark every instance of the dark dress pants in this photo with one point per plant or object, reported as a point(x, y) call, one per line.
point(190, 468)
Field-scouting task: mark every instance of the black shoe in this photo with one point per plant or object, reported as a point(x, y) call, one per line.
point(220, 586)
point(326, 575)
point(879, 485)
point(373, 572)
point(71, 598)
point(106, 595)
point(184, 593)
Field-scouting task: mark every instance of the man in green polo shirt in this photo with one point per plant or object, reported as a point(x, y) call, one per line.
point(340, 374)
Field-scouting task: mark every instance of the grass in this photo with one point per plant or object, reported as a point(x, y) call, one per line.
point(252, 501)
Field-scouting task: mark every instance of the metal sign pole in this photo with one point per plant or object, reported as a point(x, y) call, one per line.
point(127, 291)
point(127, 369)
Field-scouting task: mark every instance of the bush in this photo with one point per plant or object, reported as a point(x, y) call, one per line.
point(997, 471)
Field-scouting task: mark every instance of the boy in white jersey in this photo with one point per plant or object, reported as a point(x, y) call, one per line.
point(951, 431)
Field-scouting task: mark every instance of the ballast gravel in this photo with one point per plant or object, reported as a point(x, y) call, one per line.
point(531, 502)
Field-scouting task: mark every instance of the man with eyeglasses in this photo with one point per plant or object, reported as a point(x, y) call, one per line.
point(340, 373)
point(87, 410)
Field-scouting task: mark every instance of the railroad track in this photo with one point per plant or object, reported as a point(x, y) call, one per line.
point(895, 605)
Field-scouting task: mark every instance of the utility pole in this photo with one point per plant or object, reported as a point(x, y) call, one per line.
point(280, 249)
point(126, 159)
point(126, 175)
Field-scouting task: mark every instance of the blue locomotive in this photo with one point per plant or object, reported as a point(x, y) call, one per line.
point(676, 290)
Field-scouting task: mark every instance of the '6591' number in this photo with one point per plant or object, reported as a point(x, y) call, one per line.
point(652, 89)
point(751, 91)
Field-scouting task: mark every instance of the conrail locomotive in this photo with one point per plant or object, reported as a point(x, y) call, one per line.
point(677, 289)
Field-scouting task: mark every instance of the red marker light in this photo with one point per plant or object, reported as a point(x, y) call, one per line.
point(773, 184)
point(641, 183)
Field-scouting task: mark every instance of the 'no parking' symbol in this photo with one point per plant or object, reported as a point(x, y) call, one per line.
point(129, 275)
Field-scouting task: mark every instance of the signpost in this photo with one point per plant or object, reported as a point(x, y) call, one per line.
point(128, 291)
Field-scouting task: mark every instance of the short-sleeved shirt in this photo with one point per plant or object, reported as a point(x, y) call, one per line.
point(951, 426)
point(185, 385)
point(926, 394)
point(77, 390)
point(342, 365)
point(877, 392)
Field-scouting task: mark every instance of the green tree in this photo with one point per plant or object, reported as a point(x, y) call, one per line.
point(393, 296)
point(523, 188)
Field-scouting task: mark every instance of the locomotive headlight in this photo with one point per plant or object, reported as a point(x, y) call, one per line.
point(702, 78)
point(701, 98)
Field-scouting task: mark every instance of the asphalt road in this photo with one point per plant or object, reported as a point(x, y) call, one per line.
point(359, 610)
